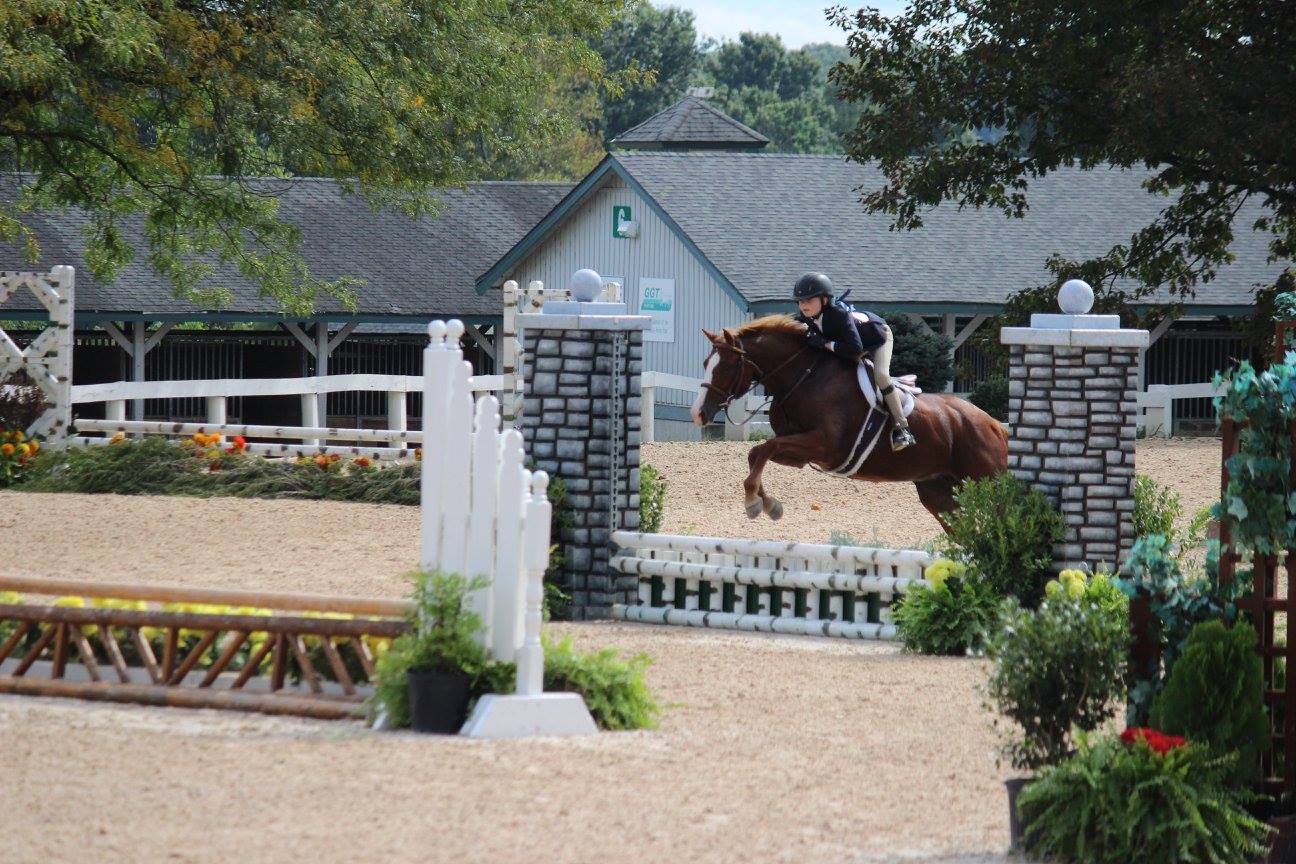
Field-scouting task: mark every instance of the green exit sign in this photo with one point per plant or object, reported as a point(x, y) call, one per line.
point(621, 216)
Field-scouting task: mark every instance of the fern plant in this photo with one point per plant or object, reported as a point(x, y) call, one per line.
point(614, 689)
point(1113, 801)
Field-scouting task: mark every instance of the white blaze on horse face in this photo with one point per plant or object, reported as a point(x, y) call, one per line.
point(702, 391)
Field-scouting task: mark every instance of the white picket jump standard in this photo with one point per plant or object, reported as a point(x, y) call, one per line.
point(484, 514)
point(48, 359)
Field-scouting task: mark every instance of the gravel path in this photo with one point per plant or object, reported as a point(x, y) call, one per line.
point(770, 749)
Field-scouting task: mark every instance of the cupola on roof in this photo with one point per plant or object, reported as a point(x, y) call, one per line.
point(690, 124)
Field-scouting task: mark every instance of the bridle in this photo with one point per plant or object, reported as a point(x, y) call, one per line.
point(730, 395)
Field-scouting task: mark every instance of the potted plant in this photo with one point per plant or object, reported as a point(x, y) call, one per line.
point(427, 677)
point(1057, 669)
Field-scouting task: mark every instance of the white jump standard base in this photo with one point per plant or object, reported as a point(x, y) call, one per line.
point(556, 714)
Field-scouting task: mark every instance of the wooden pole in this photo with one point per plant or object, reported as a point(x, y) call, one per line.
point(53, 587)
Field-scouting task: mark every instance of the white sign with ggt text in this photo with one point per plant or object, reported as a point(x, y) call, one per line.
point(657, 301)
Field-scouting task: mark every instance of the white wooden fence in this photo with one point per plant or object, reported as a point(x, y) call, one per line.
point(1156, 405)
point(808, 589)
point(396, 439)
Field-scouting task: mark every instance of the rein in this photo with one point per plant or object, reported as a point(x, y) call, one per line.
point(730, 397)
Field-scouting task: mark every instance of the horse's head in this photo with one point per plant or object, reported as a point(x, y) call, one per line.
point(727, 376)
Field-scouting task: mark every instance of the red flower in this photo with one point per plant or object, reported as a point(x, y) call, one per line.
point(215, 466)
point(1159, 742)
point(240, 441)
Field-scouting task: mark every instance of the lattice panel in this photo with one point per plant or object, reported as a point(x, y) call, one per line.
point(47, 360)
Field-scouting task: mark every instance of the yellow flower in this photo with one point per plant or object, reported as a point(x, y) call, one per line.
point(1075, 582)
point(24, 449)
point(118, 438)
point(941, 569)
point(11, 598)
point(18, 435)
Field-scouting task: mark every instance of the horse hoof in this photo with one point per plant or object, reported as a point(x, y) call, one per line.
point(754, 509)
point(775, 511)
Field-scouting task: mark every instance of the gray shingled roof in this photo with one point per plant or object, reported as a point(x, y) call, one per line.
point(764, 219)
point(417, 267)
point(690, 122)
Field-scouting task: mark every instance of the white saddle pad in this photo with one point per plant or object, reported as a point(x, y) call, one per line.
point(905, 385)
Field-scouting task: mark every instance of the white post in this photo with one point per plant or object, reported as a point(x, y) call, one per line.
point(484, 482)
point(321, 369)
point(530, 674)
point(438, 362)
point(115, 410)
point(648, 414)
point(509, 355)
point(137, 365)
point(455, 489)
point(396, 415)
point(738, 431)
point(310, 417)
point(510, 578)
point(216, 410)
point(950, 329)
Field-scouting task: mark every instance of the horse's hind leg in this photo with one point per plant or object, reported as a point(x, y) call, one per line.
point(937, 495)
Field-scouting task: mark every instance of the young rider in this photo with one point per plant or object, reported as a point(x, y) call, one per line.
point(832, 328)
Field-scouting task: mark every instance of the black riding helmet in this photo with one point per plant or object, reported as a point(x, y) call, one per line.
point(812, 285)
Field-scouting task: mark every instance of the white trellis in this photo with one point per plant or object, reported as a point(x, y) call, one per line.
point(47, 361)
point(484, 514)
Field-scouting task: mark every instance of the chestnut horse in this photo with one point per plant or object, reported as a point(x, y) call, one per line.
point(818, 411)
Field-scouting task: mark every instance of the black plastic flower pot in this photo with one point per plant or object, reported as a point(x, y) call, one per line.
point(1015, 825)
point(438, 701)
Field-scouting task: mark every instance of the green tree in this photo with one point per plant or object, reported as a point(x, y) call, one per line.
point(1200, 91)
point(163, 111)
point(659, 46)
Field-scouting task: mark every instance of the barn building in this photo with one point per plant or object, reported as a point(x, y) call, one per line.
point(704, 230)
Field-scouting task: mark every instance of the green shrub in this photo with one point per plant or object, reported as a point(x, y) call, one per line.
point(921, 352)
point(442, 638)
point(652, 499)
point(1214, 696)
point(1116, 802)
point(1056, 668)
point(1099, 589)
point(991, 396)
point(1156, 509)
point(614, 689)
point(951, 617)
point(1005, 531)
point(557, 601)
point(1177, 603)
point(21, 402)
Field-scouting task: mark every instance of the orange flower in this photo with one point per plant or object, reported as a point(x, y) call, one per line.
point(322, 461)
point(418, 452)
point(118, 438)
point(333, 457)
point(362, 461)
point(7, 449)
point(34, 445)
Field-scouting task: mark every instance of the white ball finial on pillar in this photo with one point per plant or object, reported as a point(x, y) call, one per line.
point(586, 285)
point(1075, 297)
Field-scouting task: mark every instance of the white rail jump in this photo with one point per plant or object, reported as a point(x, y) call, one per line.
point(766, 586)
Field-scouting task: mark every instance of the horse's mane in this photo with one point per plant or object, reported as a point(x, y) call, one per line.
point(771, 324)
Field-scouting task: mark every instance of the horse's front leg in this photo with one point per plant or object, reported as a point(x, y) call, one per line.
point(792, 450)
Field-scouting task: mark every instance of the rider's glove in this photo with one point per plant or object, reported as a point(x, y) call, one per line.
point(815, 340)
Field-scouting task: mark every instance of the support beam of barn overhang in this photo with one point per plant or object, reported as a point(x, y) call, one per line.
point(137, 346)
point(482, 341)
point(1153, 335)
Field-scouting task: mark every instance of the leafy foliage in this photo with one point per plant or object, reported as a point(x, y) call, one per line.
point(660, 43)
point(1259, 504)
point(156, 466)
point(951, 617)
point(442, 639)
point(21, 403)
point(921, 352)
point(1214, 696)
point(1177, 603)
point(614, 690)
point(1183, 89)
point(1156, 509)
point(1005, 532)
point(1056, 668)
point(1115, 802)
point(652, 498)
point(991, 396)
point(154, 117)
